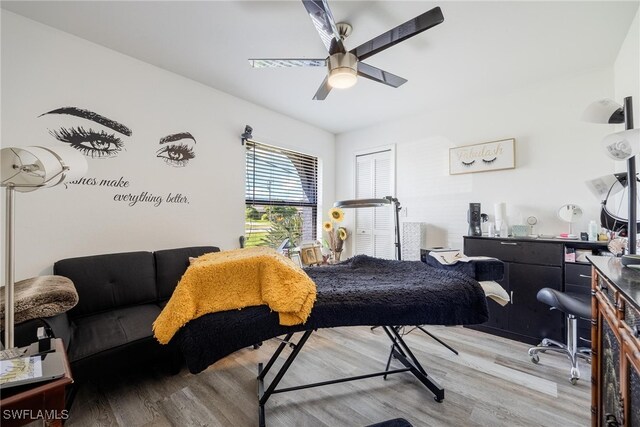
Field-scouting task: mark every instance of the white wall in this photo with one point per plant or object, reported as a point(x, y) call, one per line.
point(555, 154)
point(627, 69)
point(44, 69)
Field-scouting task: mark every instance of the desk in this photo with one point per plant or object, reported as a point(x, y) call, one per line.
point(24, 404)
point(529, 265)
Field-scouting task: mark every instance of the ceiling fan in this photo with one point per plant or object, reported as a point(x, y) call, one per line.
point(344, 66)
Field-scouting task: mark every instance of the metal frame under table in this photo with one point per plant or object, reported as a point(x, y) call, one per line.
point(399, 349)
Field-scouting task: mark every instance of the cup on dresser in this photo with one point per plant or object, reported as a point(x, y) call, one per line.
point(491, 230)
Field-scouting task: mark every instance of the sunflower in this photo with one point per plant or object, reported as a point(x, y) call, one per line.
point(327, 226)
point(336, 214)
point(342, 233)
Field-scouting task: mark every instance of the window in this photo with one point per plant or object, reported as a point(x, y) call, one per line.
point(281, 195)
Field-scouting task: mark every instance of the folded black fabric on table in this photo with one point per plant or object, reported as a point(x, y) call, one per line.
point(360, 291)
point(481, 270)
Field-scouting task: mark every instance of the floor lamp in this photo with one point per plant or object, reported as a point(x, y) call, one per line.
point(375, 203)
point(620, 146)
point(25, 170)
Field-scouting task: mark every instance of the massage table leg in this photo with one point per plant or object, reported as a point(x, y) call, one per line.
point(400, 351)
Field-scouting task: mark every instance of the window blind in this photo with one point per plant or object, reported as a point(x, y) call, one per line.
point(276, 177)
point(279, 177)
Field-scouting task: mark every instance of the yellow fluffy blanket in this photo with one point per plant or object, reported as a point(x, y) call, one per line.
point(236, 279)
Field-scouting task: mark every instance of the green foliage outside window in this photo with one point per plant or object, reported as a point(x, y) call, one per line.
point(271, 226)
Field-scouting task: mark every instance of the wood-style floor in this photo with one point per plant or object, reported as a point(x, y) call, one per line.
point(491, 383)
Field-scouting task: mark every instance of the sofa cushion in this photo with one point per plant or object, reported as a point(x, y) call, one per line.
point(112, 329)
point(171, 265)
point(106, 282)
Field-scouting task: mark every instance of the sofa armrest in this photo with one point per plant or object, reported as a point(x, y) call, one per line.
point(26, 332)
point(60, 327)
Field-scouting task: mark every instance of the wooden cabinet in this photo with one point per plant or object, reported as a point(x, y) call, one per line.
point(615, 344)
point(530, 265)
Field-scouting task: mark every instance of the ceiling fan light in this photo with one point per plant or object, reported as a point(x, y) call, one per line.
point(342, 78)
point(343, 70)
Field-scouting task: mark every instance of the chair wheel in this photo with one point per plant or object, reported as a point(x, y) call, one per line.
point(535, 359)
point(574, 381)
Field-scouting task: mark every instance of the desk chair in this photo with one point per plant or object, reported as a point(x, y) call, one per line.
point(573, 306)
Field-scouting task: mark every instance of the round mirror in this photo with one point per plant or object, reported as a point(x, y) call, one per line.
point(570, 213)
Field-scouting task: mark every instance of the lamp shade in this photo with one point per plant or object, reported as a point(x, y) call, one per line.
point(362, 203)
point(30, 168)
point(604, 111)
point(343, 70)
point(342, 78)
point(622, 145)
point(604, 186)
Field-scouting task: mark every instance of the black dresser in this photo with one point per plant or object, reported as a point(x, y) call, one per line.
point(532, 264)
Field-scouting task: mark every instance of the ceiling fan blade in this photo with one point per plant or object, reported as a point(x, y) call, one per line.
point(380, 76)
point(323, 20)
point(323, 90)
point(400, 33)
point(292, 62)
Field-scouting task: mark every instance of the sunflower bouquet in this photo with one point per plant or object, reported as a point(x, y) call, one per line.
point(336, 235)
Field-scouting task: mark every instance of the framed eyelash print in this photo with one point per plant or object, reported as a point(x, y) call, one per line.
point(484, 157)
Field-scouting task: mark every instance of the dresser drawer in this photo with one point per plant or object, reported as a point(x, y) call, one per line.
point(632, 319)
point(577, 274)
point(605, 288)
point(541, 253)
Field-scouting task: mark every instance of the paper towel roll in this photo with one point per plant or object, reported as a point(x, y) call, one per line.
point(500, 211)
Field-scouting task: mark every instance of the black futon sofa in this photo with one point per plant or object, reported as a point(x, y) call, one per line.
point(120, 295)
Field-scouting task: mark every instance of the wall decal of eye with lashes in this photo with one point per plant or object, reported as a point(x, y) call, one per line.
point(91, 143)
point(177, 150)
point(467, 164)
point(489, 161)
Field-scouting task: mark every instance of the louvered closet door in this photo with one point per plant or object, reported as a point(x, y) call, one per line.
point(374, 226)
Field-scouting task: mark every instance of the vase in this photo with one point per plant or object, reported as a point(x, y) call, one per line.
point(335, 256)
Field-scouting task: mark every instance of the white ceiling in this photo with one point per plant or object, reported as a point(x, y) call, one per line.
point(482, 48)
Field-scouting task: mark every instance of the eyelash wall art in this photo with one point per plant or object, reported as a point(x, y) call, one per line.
point(95, 144)
point(488, 162)
point(468, 164)
point(177, 155)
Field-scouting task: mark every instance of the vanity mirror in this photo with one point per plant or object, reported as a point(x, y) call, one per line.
point(570, 213)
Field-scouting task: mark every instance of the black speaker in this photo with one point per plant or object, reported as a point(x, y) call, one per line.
point(474, 218)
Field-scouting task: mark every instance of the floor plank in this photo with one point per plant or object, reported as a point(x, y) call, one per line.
point(491, 383)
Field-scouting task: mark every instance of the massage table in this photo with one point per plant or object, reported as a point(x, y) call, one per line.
point(362, 291)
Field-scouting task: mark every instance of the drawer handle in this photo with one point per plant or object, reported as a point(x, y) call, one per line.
point(585, 276)
point(636, 331)
point(509, 243)
point(511, 298)
point(603, 287)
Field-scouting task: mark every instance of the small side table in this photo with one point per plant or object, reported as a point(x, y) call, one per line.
point(40, 401)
